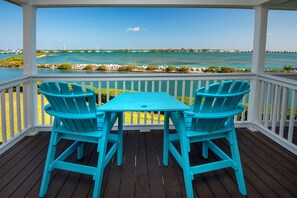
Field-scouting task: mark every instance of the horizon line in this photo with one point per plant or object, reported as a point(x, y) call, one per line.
point(146, 50)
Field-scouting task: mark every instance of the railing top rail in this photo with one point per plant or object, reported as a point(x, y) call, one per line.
point(13, 82)
point(292, 74)
point(286, 82)
point(145, 76)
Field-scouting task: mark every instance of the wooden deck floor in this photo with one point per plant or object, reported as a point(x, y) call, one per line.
point(270, 171)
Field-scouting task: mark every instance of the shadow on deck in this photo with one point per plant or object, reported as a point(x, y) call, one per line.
point(270, 170)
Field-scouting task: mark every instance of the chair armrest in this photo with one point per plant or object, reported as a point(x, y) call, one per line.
point(84, 95)
point(218, 115)
point(52, 112)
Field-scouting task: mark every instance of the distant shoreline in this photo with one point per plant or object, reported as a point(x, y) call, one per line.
point(150, 69)
point(183, 50)
point(155, 69)
point(183, 65)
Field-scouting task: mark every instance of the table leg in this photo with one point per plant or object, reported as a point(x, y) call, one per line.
point(120, 139)
point(166, 139)
point(185, 149)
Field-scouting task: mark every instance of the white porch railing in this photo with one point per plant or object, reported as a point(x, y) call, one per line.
point(277, 113)
point(22, 108)
point(14, 124)
point(181, 86)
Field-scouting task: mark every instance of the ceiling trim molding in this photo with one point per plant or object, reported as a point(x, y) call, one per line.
point(145, 3)
point(19, 2)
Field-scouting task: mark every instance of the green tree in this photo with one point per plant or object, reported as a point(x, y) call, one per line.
point(170, 69)
point(127, 68)
point(288, 68)
point(184, 69)
point(227, 70)
point(152, 68)
point(65, 66)
point(89, 67)
point(212, 69)
point(102, 68)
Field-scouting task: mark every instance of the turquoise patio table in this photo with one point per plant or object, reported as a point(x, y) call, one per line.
point(141, 102)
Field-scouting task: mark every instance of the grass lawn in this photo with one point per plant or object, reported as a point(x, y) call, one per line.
point(14, 116)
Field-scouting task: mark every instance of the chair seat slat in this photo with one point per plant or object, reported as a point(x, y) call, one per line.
point(82, 107)
point(208, 101)
point(57, 103)
point(92, 105)
point(220, 100)
point(72, 106)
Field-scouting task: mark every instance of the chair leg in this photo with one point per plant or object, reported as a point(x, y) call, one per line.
point(204, 150)
point(166, 139)
point(102, 144)
point(49, 159)
point(186, 169)
point(185, 149)
point(120, 139)
point(100, 169)
point(236, 158)
point(80, 151)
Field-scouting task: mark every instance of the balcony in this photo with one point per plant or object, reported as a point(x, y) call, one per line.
point(266, 128)
point(267, 163)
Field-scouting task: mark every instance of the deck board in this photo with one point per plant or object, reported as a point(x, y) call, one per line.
point(154, 168)
point(141, 168)
point(128, 174)
point(172, 187)
point(270, 170)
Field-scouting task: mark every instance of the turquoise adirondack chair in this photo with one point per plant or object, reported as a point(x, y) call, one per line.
point(77, 118)
point(212, 117)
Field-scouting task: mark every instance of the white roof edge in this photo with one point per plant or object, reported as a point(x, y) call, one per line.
point(145, 3)
point(245, 4)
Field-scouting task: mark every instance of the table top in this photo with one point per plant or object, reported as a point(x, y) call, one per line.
point(143, 101)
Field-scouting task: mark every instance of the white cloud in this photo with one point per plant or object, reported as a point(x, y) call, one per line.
point(133, 29)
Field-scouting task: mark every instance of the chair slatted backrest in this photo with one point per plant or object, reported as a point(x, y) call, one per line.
point(73, 105)
point(219, 98)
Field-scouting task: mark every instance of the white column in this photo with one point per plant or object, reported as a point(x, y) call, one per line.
point(258, 62)
point(29, 39)
point(29, 47)
point(260, 32)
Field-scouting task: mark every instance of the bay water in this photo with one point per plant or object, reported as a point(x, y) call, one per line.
point(191, 59)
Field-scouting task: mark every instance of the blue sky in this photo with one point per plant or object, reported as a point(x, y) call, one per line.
point(146, 28)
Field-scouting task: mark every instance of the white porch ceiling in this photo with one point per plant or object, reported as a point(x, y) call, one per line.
point(282, 4)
